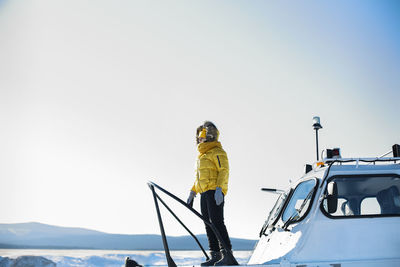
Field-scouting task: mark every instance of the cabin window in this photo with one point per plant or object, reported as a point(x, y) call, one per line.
point(300, 201)
point(370, 205)
point(365, 195)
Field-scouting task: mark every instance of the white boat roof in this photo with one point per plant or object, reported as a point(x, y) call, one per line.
point(354, 166)
point(365, 168)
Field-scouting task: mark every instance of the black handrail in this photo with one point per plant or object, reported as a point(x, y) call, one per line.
point(184, 226)
point(170, 261)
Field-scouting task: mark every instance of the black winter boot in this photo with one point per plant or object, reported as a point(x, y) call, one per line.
point(227, 259)
point(215, 256)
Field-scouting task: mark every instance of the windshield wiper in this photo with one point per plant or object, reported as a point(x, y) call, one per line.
point(308, 197)
point(290, 221)
point(296, 214)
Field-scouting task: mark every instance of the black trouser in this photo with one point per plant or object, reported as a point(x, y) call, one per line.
point(215, 214)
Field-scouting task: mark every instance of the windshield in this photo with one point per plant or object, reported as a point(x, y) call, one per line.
point(275, 211)
point(300, 201)
point(277, 208)
point(369, 195)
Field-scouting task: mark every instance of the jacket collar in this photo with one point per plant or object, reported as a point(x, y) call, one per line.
point(206, 146)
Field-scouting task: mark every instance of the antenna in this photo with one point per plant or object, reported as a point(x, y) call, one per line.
point(317, 125)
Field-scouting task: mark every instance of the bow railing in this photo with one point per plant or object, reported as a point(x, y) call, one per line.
point(157, 198)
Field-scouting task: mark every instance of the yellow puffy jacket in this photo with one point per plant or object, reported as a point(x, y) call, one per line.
point(212, 168)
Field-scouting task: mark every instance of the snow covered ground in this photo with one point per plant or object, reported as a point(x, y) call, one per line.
point(111, 258)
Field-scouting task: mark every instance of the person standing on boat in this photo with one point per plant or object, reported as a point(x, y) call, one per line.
point(212, 183)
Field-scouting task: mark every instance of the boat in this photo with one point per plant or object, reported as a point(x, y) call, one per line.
point(342, 212)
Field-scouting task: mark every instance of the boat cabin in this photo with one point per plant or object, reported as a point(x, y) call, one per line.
point(342, 212)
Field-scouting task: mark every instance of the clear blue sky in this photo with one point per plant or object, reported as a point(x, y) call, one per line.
point(98, 97)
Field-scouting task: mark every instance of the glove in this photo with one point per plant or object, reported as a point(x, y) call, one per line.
point(190, 199)
point(219, 196)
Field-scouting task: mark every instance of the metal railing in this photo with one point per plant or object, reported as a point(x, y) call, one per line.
point(157, 198)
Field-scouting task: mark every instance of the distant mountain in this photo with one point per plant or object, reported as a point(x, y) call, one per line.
point(26, 261)
point(37, 235)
